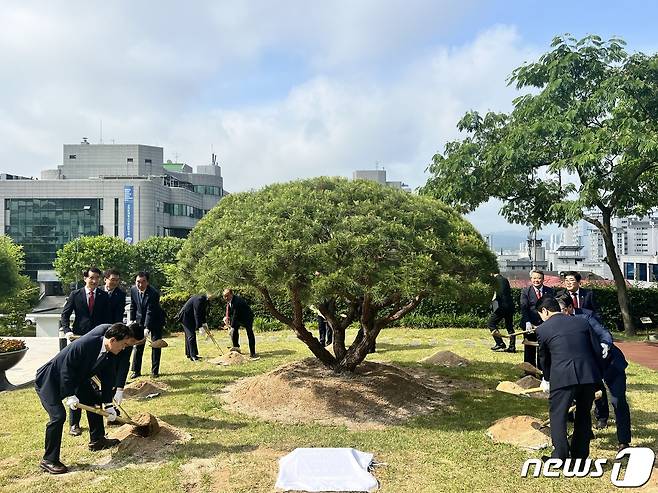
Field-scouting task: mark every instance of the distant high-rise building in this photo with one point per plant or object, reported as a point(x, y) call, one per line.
point(105, 189)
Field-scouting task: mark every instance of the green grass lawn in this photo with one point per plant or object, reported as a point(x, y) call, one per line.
point(446, 451)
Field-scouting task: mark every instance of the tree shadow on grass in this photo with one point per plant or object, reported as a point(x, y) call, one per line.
point(385, 347)
point(197, 422)
point(643, 432)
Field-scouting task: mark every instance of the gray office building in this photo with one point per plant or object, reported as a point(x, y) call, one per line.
point(125, 191)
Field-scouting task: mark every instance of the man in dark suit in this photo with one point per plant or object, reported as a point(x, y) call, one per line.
point(91, 307)
point(67, 377)
point(193, 315)
point(529, 316)
point(613, 366)
point(239, 314)
point(580, 297)
point(502, 308)
point(116, 295)
point(145, 309)
point(571, 371)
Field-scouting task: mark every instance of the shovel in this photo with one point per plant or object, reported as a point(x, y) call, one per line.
point(146, 424)
point(513, 334)
point(98, 383)
point(515, 389)
point(212, 338)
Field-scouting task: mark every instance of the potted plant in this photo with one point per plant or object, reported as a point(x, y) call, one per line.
point(11, 352)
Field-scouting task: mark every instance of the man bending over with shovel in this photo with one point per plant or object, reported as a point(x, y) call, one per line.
point(68, 377)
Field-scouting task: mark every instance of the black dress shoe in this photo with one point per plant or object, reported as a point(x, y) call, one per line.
point(135, 375)
point(622, 446)
point(53, 467)
point(498, 347)
point(601, 423)
point(75, 431)
point(103, 443)
point(155, 375)
point(510, 349)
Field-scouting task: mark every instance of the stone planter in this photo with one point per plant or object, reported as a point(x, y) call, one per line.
point(7, 361)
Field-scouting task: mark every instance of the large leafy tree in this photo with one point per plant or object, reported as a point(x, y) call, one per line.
point(582, 144)
point(102, 251)
point(157, 255)
point(375, 251)
point(12, 261)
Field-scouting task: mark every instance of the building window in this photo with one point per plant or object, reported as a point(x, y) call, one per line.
point(129, 160)
point(147, 161)
point(72, 156)
point(116, 216)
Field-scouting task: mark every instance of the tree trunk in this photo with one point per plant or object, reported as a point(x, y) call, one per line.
point(617, 275)
point(316, 348)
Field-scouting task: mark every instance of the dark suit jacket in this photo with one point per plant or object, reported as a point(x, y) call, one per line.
point(147, 312)
point(117, 305)
point(586, 301)
point(122, 360)
point(195, 312)
point(503, 303)
point(74, 364)
point(239, 312)
point(567, 352)
point(84, 322)
point(528, 303)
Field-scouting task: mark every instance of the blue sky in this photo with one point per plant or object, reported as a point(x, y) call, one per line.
point(279, 90)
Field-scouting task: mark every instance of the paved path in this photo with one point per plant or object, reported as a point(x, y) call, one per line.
point(41, 350)
point(642, 353)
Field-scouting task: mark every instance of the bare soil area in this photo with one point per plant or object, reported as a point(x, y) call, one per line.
point(375, 396)
point(446, 358)
point(521, 431)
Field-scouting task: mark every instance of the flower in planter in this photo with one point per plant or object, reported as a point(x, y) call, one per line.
point(10, 345)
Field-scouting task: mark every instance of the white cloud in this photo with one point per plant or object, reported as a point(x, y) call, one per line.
point(361, 83)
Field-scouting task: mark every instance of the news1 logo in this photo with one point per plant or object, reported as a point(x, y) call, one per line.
point(638, 468)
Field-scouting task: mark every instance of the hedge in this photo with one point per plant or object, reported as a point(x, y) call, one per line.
point(644, 303)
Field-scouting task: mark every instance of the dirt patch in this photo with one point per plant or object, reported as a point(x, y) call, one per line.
point(446, 358)
point(144, 389)
point(198, 471)
point(376, 395)
point(230, 358)
point(147, 449)
point(521, 431)
point(530, 382)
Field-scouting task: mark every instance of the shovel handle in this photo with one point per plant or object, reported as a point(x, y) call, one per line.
point(97, 381)
point(597, 395)
point(531, 391)
point(212, 338)
point(101, 412)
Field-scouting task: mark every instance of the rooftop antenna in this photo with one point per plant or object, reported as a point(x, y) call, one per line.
point(101, 131)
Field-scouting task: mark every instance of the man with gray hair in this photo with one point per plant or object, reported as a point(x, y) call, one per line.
point(530, 318)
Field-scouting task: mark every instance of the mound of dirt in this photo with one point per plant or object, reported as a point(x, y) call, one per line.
point(446, 358)
point(143, 389)
point(530, 382)
point(305, 391)
point(521, 431)
point(230, 358)
point(146, 449)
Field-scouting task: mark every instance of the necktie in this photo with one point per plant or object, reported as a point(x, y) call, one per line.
point(538, 293)
point(91, 301)
point(575, 300)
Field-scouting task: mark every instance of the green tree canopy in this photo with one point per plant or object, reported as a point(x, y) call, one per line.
point(583, 144)
point(102, 251)
point(157, 256)
point(331, 242)
point(12, 262)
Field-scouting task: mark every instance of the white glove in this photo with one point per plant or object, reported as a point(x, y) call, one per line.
point(118, 396)
point(226, 321)
point(528, 326)
point(72, 402)
point(147, 333)
point(70, 336)
point(545, 386)
point(111, 412)
point(604, 350)
point(202, 329)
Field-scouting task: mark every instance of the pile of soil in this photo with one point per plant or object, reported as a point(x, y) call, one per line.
point(446, 358)
point(146, 449)
point(230, 358)
point(144, 388)
point(530, 382)
point(306, 391)
point(521, 431)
